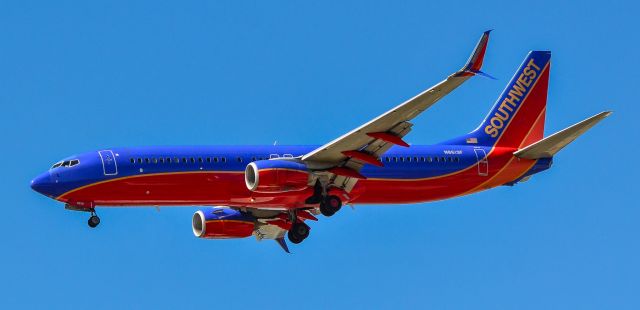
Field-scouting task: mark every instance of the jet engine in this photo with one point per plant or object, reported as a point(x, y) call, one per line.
point(222, 223)
point(276, 176)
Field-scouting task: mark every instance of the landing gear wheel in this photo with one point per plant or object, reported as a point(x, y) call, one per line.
point(94, 220)
point(298, 232)
point(330, 205)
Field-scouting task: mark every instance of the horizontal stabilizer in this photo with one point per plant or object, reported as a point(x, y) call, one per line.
point(550, 145)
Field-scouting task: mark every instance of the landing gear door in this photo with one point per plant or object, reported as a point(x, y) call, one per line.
point(109, 165)
point(483, 162)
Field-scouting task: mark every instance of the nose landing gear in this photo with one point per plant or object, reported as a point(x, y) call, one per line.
point(94, 220)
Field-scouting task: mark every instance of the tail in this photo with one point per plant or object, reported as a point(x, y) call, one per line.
point(517, 118)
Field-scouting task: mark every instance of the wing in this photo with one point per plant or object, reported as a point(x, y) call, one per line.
point(345, 156)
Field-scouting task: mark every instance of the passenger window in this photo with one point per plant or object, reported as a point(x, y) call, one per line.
point(429, 159)
point(200, 159)
point(239, 159)
point(215, 159)
point(146, 160)
point(168, 160)
point(442, 159)
point(208, 160)
point(224, 159)
point(139, 160)
point(193, 160)
point(184, 160)
point(162, 160)
point(395, 159)
point(253, 158)
point(176, 160)
point(155, 160)
point(132, 160)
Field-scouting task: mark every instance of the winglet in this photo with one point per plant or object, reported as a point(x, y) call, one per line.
point(550, 145)
point(474, 64)
point(283, 244)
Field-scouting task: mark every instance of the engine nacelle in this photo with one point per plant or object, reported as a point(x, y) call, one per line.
point(276, 176)
point(222, 223)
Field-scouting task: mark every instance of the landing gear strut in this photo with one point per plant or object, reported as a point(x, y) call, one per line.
point(94, 220)
point(317, 194)
point(330, 205)
point(298, 232)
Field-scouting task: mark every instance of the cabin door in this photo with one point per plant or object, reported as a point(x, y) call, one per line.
point(109, 165)
point(483, 162)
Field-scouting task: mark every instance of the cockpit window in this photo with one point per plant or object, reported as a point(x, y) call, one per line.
point(66, 163)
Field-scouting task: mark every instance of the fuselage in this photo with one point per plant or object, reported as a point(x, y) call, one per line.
point(214, 175)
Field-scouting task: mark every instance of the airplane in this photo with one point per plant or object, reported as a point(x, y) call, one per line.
point(272, 191)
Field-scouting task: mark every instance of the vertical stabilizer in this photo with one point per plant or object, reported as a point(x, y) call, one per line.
point(517, 118)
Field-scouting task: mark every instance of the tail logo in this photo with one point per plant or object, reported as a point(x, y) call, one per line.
point(512, 99)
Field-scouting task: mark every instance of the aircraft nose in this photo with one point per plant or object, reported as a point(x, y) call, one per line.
point(42, 184)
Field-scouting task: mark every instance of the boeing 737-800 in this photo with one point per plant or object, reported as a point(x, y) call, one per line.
point(272, 191)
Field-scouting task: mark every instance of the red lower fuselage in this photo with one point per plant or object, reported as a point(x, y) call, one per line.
point(138, 178)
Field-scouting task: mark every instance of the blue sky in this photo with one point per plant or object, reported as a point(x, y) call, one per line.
point(80, 76)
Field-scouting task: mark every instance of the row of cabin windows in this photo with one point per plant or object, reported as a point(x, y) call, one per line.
point(193, 160)
point(185, 160)
point(177, 160)
point(423, 159)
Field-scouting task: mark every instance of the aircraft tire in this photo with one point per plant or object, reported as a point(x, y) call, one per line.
point(298, 232)
point(93, 221)
point(330, 205)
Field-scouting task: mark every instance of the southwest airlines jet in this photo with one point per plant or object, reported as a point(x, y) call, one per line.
point(272, 191)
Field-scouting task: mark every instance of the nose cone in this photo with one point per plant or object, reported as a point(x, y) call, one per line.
point(43, 184)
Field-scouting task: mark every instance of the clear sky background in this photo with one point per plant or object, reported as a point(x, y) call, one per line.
point(81, 76)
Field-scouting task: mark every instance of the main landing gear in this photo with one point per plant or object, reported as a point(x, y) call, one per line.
point(329, 205)
point(298, 232)
point(94, 220)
